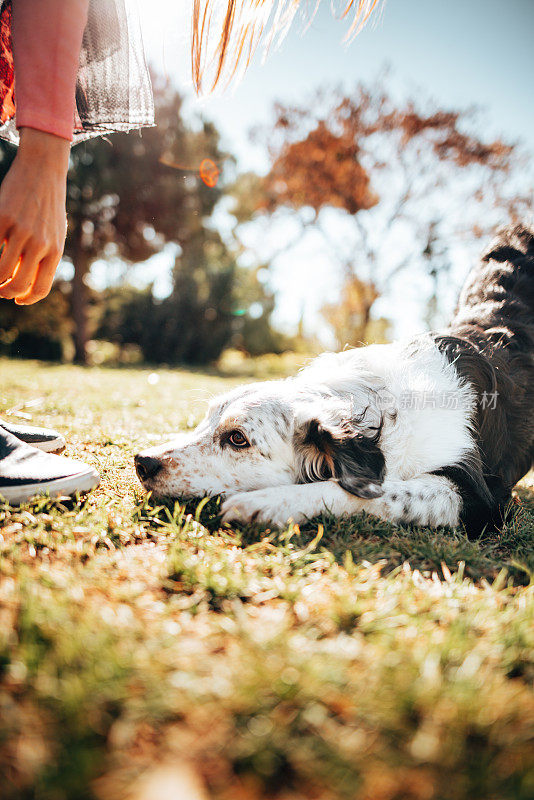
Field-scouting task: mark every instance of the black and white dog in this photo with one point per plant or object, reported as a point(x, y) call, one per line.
point(434, 432)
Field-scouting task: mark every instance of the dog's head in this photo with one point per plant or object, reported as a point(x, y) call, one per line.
point(264, 435)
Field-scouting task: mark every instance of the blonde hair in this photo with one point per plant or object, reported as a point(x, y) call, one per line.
point(240, 28)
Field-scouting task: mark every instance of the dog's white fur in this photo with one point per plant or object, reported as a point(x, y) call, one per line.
point(400, 386)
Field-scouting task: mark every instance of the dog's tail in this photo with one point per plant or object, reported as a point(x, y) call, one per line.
point(498, 296)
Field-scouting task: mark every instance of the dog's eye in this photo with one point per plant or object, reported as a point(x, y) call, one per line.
point(238, 439)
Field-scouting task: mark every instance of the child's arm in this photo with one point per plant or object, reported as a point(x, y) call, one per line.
point(47, 37)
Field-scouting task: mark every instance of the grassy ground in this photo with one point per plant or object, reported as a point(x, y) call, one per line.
point(148, 653)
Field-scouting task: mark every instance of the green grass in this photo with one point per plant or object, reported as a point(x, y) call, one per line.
point(146, 649)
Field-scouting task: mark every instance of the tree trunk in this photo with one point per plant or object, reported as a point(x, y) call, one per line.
point(79, 307)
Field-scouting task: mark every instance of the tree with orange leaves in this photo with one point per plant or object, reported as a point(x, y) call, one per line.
point(391, 188)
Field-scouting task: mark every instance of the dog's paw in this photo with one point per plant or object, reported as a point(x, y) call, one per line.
point(265, 506)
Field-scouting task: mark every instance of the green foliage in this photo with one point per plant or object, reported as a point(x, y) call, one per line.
point(347, 659)
point(135, 192)
point(130, 195)
point(195, 322)
point(254, 332)
point(40, 331)
point(208, 310)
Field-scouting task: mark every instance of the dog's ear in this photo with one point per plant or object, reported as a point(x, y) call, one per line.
point(341, 452)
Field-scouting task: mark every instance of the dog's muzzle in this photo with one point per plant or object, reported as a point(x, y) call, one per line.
point(147, 467)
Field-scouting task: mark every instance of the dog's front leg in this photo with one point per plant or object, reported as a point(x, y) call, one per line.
point(424, 500)
point(296, 503)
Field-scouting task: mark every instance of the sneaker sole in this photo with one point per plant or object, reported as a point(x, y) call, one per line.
point(68, 486)
point(51, 445)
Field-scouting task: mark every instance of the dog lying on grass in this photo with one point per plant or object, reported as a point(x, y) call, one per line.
point(434, 432)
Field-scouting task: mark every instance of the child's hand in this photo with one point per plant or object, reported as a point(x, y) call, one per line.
point(33, 221)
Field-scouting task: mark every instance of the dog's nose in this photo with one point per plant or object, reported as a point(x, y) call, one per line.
point(147, 467)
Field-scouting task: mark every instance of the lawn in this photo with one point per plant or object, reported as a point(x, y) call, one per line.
point(147, 653)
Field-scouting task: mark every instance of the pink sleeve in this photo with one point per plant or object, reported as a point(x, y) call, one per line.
point(47, 38)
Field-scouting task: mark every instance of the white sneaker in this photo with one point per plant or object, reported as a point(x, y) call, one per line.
point(26, 472)
point(44, 439)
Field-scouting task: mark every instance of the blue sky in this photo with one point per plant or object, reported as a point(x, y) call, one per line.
point(461, 52)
